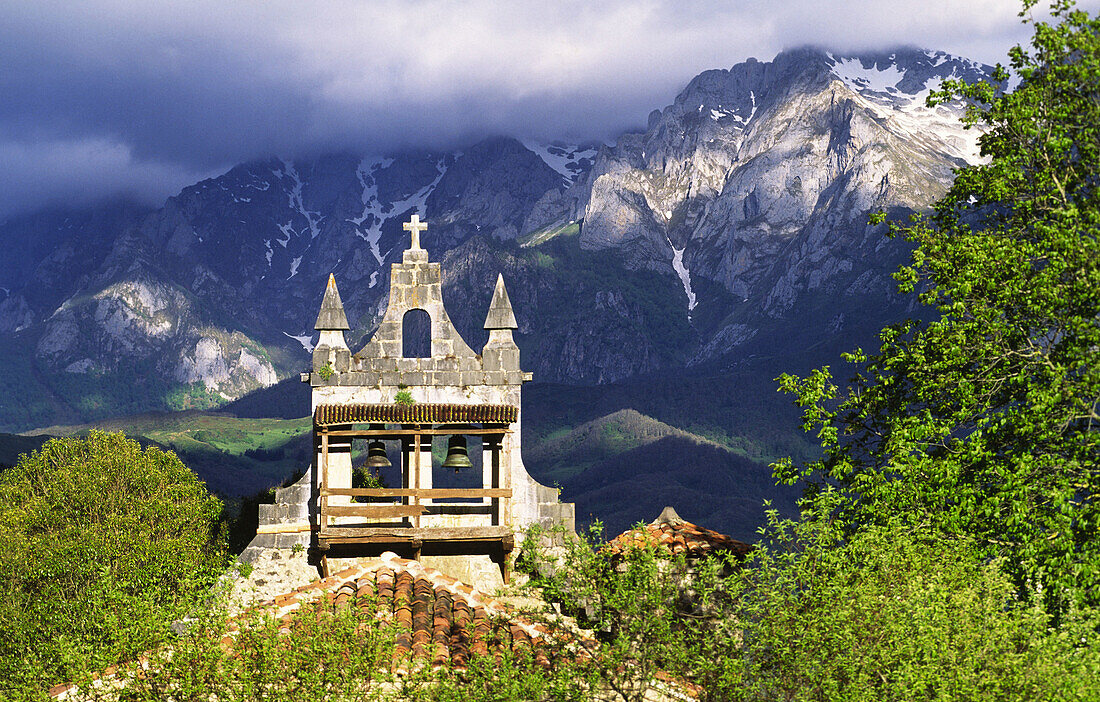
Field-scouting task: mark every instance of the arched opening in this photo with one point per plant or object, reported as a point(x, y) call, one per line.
point(416, 334)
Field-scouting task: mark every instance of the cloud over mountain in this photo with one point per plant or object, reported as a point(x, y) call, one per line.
point(114, 97)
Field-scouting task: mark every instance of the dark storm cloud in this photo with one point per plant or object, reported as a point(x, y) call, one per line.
point(102, 98)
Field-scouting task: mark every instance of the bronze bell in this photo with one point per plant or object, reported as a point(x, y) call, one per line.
point(457, 455)
point(376, 456)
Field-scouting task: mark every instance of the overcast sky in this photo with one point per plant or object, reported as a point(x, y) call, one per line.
point(140, 98)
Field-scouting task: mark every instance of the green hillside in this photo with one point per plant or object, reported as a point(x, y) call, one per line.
point(235, 456)
point(564, 453)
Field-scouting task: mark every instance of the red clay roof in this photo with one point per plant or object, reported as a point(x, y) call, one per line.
point(439, 619)
point(419, 413)
point(678, 536)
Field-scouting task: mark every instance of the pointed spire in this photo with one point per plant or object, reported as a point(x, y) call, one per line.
point(331, 317)
point(500, 309)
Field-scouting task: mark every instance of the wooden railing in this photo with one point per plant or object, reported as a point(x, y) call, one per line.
point(423, 493)
point(375, 510)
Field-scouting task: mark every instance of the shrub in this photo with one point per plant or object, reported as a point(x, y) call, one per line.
point(326, 652)
point(895, 614)
point(651, 614)
point(890, 613)
point(102, 544)
point(319, 654)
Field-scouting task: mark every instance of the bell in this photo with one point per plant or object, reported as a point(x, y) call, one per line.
point(457, 456)
point(376, 456)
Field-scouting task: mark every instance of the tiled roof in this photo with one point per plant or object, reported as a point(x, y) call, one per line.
point(439, 620)
point(419, 413)
point(678, 536)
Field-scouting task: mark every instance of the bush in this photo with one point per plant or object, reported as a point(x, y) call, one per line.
point(326, 652)
point(894, 614)
point(102, 545)
point(320, 654)
point(652, 614)
point(890, 613)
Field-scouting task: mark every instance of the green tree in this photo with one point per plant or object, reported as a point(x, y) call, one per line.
point(631, 602)
point(102, 545)
point(893, 612)
point(983, 423)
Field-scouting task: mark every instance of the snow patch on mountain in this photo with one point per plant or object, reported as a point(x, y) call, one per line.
point(906, 111)
point(305, 340)
point(313, 218)
point(287, 231)
point(372, 208)
point(860, 77)
point(569, 161)
point(918, 121)
point(685, 275)
point(420, 198)
point(258, 183)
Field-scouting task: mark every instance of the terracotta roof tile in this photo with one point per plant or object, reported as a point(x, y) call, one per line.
point(420, 413)
point(677, 536)
point(437, 618)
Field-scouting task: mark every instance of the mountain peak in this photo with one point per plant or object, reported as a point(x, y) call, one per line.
point(907, 69)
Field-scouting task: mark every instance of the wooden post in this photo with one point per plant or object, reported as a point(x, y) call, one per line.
point(406, 468)
point(416, 476)
point(494, 476)
point(324, 478)
point(502, 512)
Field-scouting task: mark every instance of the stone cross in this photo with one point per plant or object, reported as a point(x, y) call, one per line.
point(415, 226)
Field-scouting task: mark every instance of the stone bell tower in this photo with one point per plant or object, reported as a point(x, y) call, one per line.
point(387, 391)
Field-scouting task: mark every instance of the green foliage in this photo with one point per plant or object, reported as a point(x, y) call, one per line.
point(889, 614)
point(894, 613)
point(404, 397)
point(325, 372)
point(101, 545)
point(983, 423)
point(189, 396)
point(323, 655)
point(326, 653)
point(637, 606)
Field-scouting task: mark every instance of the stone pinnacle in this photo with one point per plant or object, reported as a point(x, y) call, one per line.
point(331, 317)
point(500, 309)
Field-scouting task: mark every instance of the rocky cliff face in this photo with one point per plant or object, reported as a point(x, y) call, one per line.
point(760, 179)
point(736, 224)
